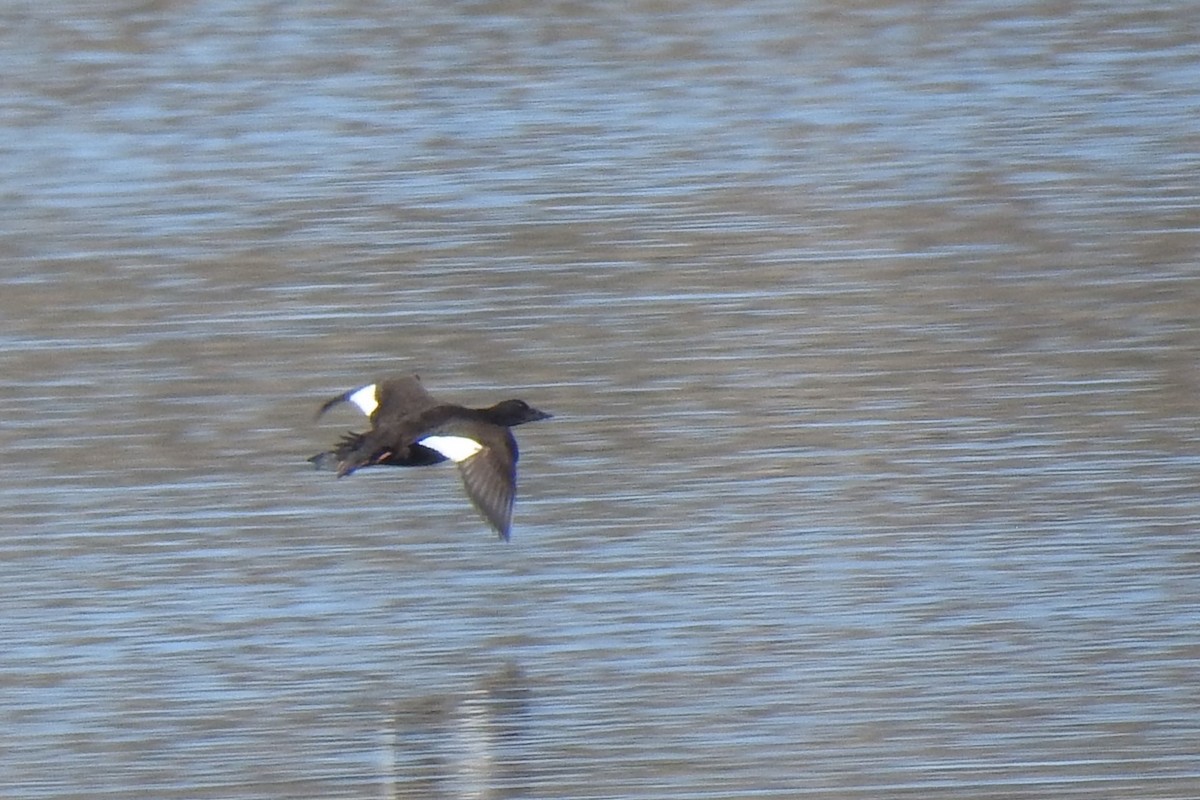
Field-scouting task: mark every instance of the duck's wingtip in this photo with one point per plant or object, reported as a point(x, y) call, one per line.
point(365, 398)
point(330, 403)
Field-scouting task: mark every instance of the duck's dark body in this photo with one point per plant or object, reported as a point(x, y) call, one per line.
point(417, 455)
point(409, 428)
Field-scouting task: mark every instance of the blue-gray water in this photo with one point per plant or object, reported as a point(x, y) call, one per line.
point(871, 334)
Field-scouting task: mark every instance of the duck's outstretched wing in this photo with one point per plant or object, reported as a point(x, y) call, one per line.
point(364, 397)
point(402, 397)
point(490, 479)
point(392, 398)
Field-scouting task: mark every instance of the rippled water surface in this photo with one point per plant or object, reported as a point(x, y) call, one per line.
point(870, 334)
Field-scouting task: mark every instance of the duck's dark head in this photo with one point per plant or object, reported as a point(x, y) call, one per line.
point(515, 412)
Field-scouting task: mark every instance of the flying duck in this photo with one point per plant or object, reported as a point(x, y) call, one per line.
point(409, 428)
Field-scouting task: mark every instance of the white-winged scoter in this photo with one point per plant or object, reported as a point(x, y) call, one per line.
point(409, 428)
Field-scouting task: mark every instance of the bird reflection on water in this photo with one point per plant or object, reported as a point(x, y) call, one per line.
point(458, 745)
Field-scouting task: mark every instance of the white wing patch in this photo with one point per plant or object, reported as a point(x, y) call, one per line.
point(364, 398)
point(455, 448)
